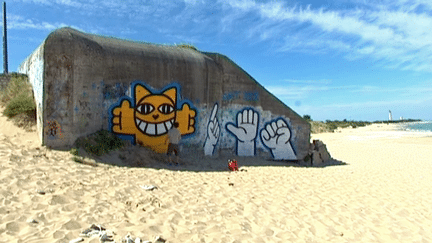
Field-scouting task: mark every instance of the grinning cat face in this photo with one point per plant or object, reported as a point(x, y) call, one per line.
point(154, 113)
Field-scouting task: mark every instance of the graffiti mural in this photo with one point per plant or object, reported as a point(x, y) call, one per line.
point(213, 132)
point(245, 131)
point(276, 135)
point(150, 115)
point(53, 129)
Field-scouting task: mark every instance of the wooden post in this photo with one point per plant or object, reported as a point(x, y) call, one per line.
point(5, 55)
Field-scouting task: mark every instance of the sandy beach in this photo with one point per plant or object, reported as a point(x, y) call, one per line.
point(377, 190)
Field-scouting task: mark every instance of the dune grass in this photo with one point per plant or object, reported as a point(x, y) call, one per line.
point(189, 46)
point(331, 126)
point(18, 100)
point(98, 143)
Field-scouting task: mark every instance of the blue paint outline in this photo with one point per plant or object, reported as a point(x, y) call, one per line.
point(154, 91)
point(236, 125)
point(289, 141)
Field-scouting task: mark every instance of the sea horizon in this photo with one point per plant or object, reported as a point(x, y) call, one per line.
point(420, 126)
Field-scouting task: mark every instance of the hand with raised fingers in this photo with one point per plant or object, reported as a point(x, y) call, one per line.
point(245, 131)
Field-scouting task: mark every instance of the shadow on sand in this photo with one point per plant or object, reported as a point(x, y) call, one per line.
point(191, 159)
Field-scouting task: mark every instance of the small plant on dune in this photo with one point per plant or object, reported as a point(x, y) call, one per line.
point(331, 126)
point(17, 85)
point(187, 46)
point(21, 104)
point(100, 143)
point(307, 118)
point(19, 101)
point(77, 159)
point(74, 151)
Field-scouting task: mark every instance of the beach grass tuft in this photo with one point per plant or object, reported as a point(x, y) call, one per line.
point(331, 126)
point(20, 104)
point(100, 143)
point(74, 151)
point(188, 46)
point(18, 99)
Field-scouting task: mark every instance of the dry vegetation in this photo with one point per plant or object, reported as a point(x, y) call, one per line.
point(18, 100)
point(331, 126)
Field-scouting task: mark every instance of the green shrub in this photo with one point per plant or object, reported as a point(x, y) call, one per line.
point(21, 104)
point(18, 99)
point(76, 159)
point(330, 126)
point(17, 85)
point(74, 151)
point(307, 118)
point(100, 143)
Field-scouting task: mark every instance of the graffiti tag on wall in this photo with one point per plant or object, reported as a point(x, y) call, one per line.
point(238, 95)
point(150, 115)
point(53, 129)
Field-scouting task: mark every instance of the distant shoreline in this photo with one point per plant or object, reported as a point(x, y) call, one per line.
point(331, 126)
point(423, 126)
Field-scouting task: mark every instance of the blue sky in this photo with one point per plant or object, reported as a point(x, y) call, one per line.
point(338, 59)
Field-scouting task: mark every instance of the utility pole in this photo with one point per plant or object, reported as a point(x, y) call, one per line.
point(5, 55)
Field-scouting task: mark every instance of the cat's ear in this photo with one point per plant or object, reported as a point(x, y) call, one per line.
point(171, 93)
point(140, 92)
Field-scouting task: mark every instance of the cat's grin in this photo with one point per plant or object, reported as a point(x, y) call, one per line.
point(154, 129)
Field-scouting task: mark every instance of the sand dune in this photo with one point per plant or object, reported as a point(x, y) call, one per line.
point(382, 194)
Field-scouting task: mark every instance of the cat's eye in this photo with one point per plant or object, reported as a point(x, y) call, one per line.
point(145, 108)
point(166, 108)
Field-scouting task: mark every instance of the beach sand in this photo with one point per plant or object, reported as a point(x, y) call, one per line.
point(378, 190)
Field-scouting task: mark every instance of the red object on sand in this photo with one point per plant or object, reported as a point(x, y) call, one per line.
point(232, 165)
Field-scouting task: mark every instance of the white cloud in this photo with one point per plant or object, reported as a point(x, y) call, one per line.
point(370, 104)
point(392, 33)
point(310, 81)
point(296, 92)
point(19, 22)
point(377, 109)
point(71, 3)
point(396, 33)
point(193, 2)
point(308, 89)
point(29, 24)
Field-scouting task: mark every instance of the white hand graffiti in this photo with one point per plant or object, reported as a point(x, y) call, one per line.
point(276, 135)
point(213, 132)
point(245, 131)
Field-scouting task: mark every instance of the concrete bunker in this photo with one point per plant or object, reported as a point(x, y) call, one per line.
point(84, 83)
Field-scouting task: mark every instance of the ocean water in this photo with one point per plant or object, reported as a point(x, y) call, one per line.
point(423, 126)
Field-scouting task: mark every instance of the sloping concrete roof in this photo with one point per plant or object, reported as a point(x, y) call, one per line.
point(79, 67)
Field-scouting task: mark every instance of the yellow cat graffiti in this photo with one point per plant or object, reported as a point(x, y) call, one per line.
point(152, 117)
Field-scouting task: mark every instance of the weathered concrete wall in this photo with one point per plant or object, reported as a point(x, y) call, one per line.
point(33, 66)
point(138, 90)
